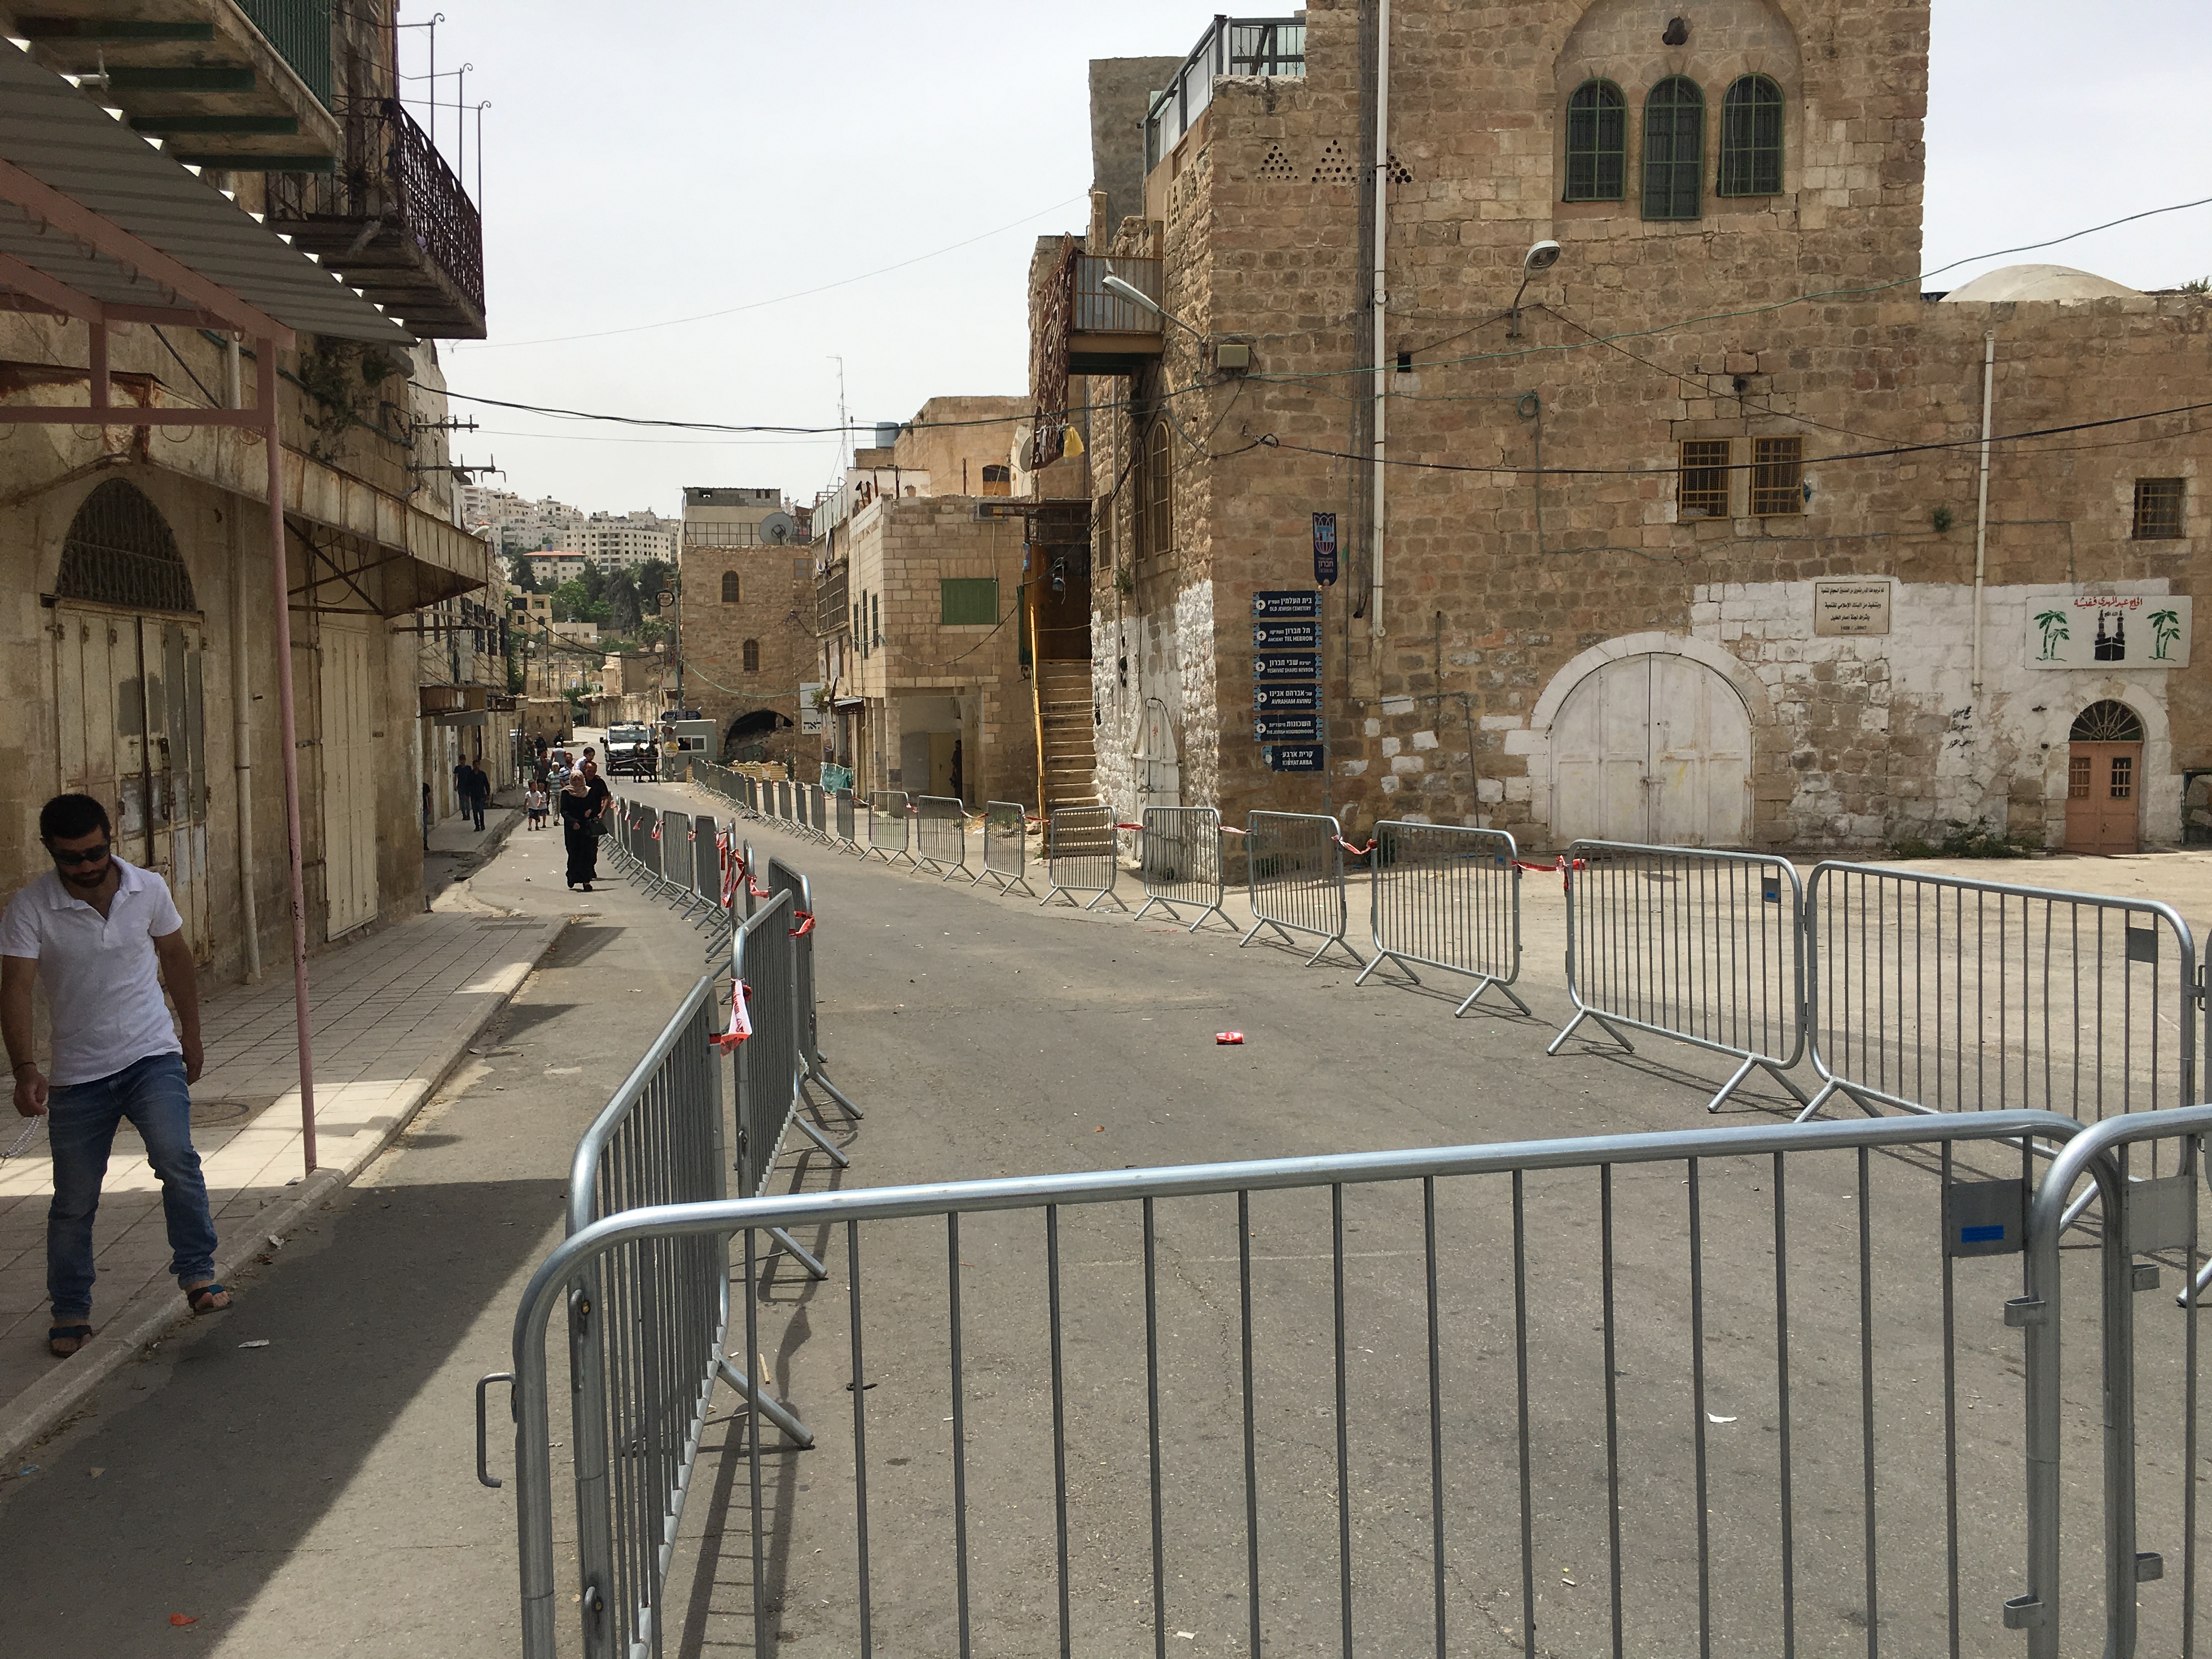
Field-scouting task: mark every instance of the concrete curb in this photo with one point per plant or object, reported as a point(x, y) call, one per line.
point(160, 1308)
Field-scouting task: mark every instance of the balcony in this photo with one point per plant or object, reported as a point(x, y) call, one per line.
point(392, 221)
point(241, 85)
point(1230, 45)
point(1085, 328)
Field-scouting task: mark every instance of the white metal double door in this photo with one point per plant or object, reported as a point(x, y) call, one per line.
point(130, 730)
point(1653, 748)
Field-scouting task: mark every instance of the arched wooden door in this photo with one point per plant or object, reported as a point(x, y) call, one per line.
point(1654, 748)
point(2104, 779)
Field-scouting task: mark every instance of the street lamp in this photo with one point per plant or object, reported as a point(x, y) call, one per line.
point(1538, 259)
point(1122, 290)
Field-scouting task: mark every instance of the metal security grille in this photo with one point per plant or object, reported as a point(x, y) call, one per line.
point(968, 601)
point(2158, 509)
point(1703, 492)
point(120, 551)
point(1597, 143)
point(1751, 138)
point(2106, 722)
point(1674, 149)
point(1777, 476)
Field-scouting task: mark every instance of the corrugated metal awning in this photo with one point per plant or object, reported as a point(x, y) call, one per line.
point(61, 140)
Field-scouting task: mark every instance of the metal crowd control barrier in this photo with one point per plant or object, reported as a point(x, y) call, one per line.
point(1294, 874)
point(940, 835)
point(845, 828)
point(1443, 896)
point(1007, 846)
point(1655, 1445)
point(764, 965)
point(648, 1321)
point(783, 878)
point(1082, 855)
point(1706, 948)
point(888, 834)
point(782, 787)
point(1932, 993)
point(1180, 859)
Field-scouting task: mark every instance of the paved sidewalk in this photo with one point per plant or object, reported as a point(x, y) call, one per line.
point(391, 1015)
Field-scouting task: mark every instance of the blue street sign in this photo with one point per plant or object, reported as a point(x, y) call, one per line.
point(1292, 694)
point(1296, 758)
point(1286, 635)
point(1287, 602)
point(1287, 728)
point(1285, 666)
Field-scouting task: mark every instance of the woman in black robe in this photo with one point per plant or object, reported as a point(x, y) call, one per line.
point(583, 798)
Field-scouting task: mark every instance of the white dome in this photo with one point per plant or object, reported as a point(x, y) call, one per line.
point(2039, 282)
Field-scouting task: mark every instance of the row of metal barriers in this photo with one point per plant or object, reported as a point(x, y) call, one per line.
point(648, 1322)
point(1907, 991)
point(1596, 1417)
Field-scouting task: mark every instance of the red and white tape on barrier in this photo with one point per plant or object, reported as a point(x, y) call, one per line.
point(741, 1019)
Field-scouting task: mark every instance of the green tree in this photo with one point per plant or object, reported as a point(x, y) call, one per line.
point(573, 601)
point(521, 573)
point(624, 611)
point(653, 577)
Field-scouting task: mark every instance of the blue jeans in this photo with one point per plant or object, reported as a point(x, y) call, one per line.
point(80, 1129)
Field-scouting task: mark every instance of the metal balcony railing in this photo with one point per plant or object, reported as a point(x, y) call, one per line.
point(393, 221)
point(1098, 310)
point(1230, 45)
point(300, 30)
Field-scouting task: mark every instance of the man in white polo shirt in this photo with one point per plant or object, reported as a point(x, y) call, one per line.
point(103, 934)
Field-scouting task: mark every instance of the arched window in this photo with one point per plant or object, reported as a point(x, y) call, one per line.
point(1156, 500)
point(1674, 149)
point(752, 656)
point(120, 551)
point(1597, 143)
point(729, 588)
point(2106, 722)
point(1751, 138)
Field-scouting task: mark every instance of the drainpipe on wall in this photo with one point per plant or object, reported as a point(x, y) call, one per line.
point(1380, 304)
point(241, 703)
point(1982, 501)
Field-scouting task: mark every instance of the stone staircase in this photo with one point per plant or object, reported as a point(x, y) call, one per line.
point(1066, 757)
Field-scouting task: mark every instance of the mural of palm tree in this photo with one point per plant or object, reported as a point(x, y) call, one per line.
point(2165, 628)
point(2053, 624)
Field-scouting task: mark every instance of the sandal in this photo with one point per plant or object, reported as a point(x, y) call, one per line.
point(202, 1299)
point(75, 1335)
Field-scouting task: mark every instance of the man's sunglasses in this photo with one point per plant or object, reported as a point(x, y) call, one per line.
point(71, 861)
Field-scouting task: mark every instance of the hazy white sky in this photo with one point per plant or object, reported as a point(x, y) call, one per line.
point(679, 157)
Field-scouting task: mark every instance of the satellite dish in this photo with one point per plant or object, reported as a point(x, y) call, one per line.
point(777, 529)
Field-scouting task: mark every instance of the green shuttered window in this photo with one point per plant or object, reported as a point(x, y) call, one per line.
point(968, 601)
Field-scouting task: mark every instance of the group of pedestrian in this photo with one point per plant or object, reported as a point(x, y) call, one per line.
point(572, 790)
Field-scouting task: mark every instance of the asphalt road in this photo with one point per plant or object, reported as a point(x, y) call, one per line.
point(318, 1494)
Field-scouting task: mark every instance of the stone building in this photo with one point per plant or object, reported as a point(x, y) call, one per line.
point(139, 647)
point(1681, 537)
point(744, 622)
point(923, 606)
